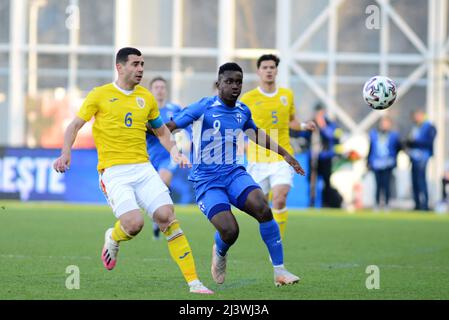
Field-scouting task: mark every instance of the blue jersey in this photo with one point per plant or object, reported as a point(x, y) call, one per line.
point(156, 150)
point(421, 142)
point(384, 148)
point(216, 130)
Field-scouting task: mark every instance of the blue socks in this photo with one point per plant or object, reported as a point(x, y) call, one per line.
point(271, 236)
point(221, 246)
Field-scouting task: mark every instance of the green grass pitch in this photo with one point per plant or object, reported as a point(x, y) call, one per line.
point(329, 249)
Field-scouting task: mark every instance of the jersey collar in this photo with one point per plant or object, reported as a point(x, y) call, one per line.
point(127, 92)
point(269, 95)
point(218, 102)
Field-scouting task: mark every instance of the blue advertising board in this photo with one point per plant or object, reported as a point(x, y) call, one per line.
point(28, 175)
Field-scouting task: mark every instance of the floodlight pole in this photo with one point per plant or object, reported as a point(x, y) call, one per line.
point(283, 16)
point(226, 31)
point(331, 50)
point(74, 28)
point(177, 39)
point(32, 52)
point(122, 27)
point(16, 112)
point(436, 109)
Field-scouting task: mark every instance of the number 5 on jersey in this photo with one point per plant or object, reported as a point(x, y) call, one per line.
point(274, 117)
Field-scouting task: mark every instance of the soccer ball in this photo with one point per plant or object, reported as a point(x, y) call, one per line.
point(379, 92)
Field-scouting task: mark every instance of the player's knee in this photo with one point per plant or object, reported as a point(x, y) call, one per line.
point(279, 202)
point(280, 198)
point(266, 214)
point(230, 234)
point(261, 208)
point(134, 225)
point(164, 216)
point(262, 212)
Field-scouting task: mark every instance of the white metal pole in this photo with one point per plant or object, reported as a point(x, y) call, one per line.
point(32, 41)
point(403, 26)
point(332, 48)
point(384, 42)
point(177, 39)
point(315, 25)
point(436, 91)
point(283, 26)
point(122, 26)
point(226, 30)
point(321, 94)
point(74, 28)
point(16, 112)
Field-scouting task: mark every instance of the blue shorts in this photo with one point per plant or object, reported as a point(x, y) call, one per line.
point(217, 194)
point(165, 163)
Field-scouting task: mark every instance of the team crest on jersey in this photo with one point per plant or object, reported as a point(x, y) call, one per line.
point(140, 102)
point(239, 117)
point(284, 100)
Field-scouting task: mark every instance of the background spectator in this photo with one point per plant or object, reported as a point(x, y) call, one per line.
point(384, 147)
point(420, 148)
point(325, 146)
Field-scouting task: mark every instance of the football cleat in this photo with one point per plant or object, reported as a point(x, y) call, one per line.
point(218, 268)
point(282, 277)
point(198, 287)
point(110, 251)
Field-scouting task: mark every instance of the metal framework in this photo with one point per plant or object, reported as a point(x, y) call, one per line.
point(430, 61)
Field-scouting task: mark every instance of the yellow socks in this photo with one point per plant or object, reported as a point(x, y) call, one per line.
point(281, 216)
point(177, 245)
point(180, 251)
point(119, 234)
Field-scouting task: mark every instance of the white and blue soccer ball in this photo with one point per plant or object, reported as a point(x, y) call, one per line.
point(379, 92)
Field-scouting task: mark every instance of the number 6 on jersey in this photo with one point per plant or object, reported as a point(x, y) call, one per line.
point(128, 119)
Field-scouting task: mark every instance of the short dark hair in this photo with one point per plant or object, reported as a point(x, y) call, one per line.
point(319, 106)
point(123, 53)
point(268, 57)
point(418, 110)
point(229, 66)
point(157, 78)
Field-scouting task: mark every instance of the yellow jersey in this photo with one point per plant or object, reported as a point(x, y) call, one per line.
point(272, 113)
point(119, 129)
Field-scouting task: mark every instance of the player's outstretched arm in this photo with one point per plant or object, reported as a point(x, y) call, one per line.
point(171, 125)
point(168, 141)
point(149, 129)
point(296, 125)
point(264, 140)
point(63, 162)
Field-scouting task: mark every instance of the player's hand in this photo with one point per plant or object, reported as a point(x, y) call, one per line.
point(310, 126)
point(182, 160)
point(62, 164)
point(295, 164)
